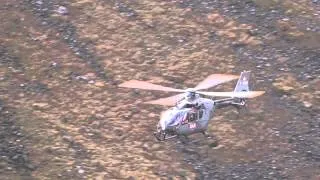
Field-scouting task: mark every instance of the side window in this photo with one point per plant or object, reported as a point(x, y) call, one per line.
point(200, 113)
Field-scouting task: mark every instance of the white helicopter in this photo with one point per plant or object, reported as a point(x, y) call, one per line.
point(192, 109)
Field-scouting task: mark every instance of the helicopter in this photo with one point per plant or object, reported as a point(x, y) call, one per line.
point(191, 110)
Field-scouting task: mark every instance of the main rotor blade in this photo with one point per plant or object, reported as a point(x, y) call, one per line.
point(248, 94)
point(215, 79)
point(168, 101)
point(148, 86)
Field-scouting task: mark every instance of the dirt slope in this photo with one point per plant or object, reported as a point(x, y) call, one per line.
point(63, 117)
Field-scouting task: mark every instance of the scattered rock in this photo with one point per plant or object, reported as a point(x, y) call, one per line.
point(68, 139)
point(152, 115)
point(62, 10)
point(54, 64)
point(30, 166)
point(40, 105)
point(99, 84)
point(307, 104)
point(80, 171)
point(39, 2)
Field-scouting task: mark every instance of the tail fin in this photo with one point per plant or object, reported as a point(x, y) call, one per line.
point(243, 82)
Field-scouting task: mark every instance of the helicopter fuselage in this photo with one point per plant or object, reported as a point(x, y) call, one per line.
point(186, 121)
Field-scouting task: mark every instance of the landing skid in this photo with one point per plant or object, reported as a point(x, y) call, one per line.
point(162, 136)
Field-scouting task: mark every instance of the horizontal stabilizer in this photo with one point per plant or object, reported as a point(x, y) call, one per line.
point(245, 94)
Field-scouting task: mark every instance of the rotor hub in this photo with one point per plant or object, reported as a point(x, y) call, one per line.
point(190, 90)
point(190, 94)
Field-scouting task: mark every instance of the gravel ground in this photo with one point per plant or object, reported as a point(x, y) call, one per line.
point(63, 117)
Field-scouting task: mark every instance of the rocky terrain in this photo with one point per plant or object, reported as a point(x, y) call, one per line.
point(63, 116)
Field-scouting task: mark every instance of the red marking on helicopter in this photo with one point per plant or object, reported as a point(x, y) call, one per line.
point(192, 125)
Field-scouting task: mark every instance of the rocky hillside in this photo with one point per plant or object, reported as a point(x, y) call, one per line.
point(62, 115)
